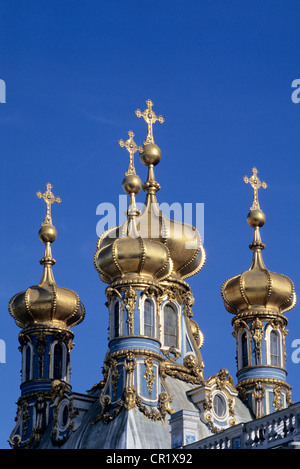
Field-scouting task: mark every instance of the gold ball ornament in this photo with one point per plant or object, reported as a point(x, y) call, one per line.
point(256, 218)
point(151, 154)
point(48, 234)
point(132, 184)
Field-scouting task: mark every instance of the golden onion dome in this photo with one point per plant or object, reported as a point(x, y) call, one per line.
point(129, 260)
point(163, 248)
point(47, 304)
point(258, 289)
point(122, 255)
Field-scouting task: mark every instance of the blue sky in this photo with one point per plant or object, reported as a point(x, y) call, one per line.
point(220, 73)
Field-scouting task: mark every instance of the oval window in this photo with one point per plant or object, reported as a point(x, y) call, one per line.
point(63, 416)
point(219, 404)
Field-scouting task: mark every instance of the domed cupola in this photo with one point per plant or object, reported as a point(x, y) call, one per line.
point(145, 261)
point(162, 248)
point(258, 288)
point(258, 298)
point(122, 255)
point(47, 303)
point(45, 313)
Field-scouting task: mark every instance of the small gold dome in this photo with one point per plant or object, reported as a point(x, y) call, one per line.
point(258, 289)
point(46, 304)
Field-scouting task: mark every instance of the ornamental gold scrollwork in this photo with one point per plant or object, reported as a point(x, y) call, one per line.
point(149, 374)
point(130, 301)
point(172, 353)
point(41, 343)
point(223, 378)
point(173, 293)
point(24, 339)
point(129, 397)
point(239, 325)
point(114, 375)
point(188, 301)
point(257, 333)
point(278, 398)
point(59, 389)
point(259, 394)
point(111, 293)
point(194, 368)
point(278, 323)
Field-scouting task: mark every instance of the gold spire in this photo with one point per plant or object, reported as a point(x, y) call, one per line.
point(258, 287)
point(150, 117)
point(255, 182)
point(131, 183)
point(48, 234)
point(47, 303)
point(49, 198)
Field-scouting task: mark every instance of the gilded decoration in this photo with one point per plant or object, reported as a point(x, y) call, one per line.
point(171, 353)
point(278, 398)
point(114, 375)
point(60, 396)
point(255, 183)
point(150, 117)
point(257, 333)
point(130, 398)
point(219, 384)
point(149, 374)
point(22, 421)
point(259, 386)
point(130, 301)
point(49, 199)
point(41, 343)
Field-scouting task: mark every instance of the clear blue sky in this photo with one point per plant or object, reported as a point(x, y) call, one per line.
point(220, 73)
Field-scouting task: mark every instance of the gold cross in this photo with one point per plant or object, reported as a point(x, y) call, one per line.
point(49, 198)
point(150, 117)
point(132, 148)
point(255, 182)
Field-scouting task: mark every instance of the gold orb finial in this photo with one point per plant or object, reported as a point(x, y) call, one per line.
point(131, 183)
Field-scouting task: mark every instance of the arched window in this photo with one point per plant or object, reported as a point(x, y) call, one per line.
point(149, 318)
point(244, 349)
point(58, 361)
point(117, 319)
point(27, 367)
point(170, 326)
point(274, 348)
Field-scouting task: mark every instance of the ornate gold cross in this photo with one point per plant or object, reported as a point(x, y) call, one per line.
point(255, 182)
point(49, 198)
point(150, 117)
point(132, 148)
